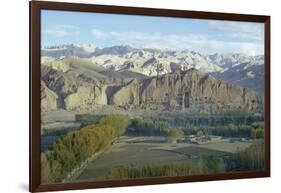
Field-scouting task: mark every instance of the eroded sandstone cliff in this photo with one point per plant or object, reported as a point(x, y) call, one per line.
point(188, 91)
point(48, 98)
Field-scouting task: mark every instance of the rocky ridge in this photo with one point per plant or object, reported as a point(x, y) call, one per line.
point(78, 85)
point(234, 68)
point(189, 91)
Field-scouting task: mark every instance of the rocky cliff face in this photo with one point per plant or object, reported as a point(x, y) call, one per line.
point(77, 85)
point(74, 90)
point(236, 68)
point(187, 91)
point(127, 95)
point(48, 98)
point(86, 98)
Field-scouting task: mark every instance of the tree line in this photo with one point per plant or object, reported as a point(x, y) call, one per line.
point(76, 146)
point(147, 127)
point(157, 127)
point(253, 131)
point(205, 165)
point(249, 159)
point(211, 119)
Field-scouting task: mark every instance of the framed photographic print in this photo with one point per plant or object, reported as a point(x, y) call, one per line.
point(123, 96)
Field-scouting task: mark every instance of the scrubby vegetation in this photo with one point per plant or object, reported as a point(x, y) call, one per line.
point(205, 165)
point(57, 131)
point(229, 125)
point(150, 127)
point(173, 134)
point(232, 125)
point(132, 172)
point(75, 147)
point(251, 158)
point(253, 131)
point(212, 119)
point(87, 119)
point(147, 127)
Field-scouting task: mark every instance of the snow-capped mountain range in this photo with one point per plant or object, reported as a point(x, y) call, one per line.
point(241, 69)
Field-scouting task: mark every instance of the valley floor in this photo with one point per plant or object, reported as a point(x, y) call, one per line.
point(131, 150)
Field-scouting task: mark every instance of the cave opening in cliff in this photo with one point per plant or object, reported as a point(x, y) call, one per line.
point(186, 100)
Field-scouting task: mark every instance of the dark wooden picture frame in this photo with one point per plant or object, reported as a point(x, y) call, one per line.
point(35, 109)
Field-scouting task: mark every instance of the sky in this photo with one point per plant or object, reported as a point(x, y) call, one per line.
point(102, 30)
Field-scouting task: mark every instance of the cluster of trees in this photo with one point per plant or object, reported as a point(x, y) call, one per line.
point(205, 165)
point(57, 131)
point(257, 131)
point(251, 158)
point(212, 120)
point(173, 134)
point(150, 127)
point(213, 164)
point(75, 147)
point(253, 131)
point(87, 119)
point(228, 126)
point(231, 130)
point(147, 127)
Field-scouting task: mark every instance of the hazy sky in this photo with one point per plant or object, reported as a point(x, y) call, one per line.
point(207, 36)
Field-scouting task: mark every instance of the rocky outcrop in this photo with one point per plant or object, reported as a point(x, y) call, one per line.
point(236, 68)
point(81, 87)
point(127, 95)
point(86, 98)
point(187, 91)
point(76, 90)
point(48, 98)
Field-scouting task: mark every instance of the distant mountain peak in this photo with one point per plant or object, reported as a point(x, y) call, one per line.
point(231, 67)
